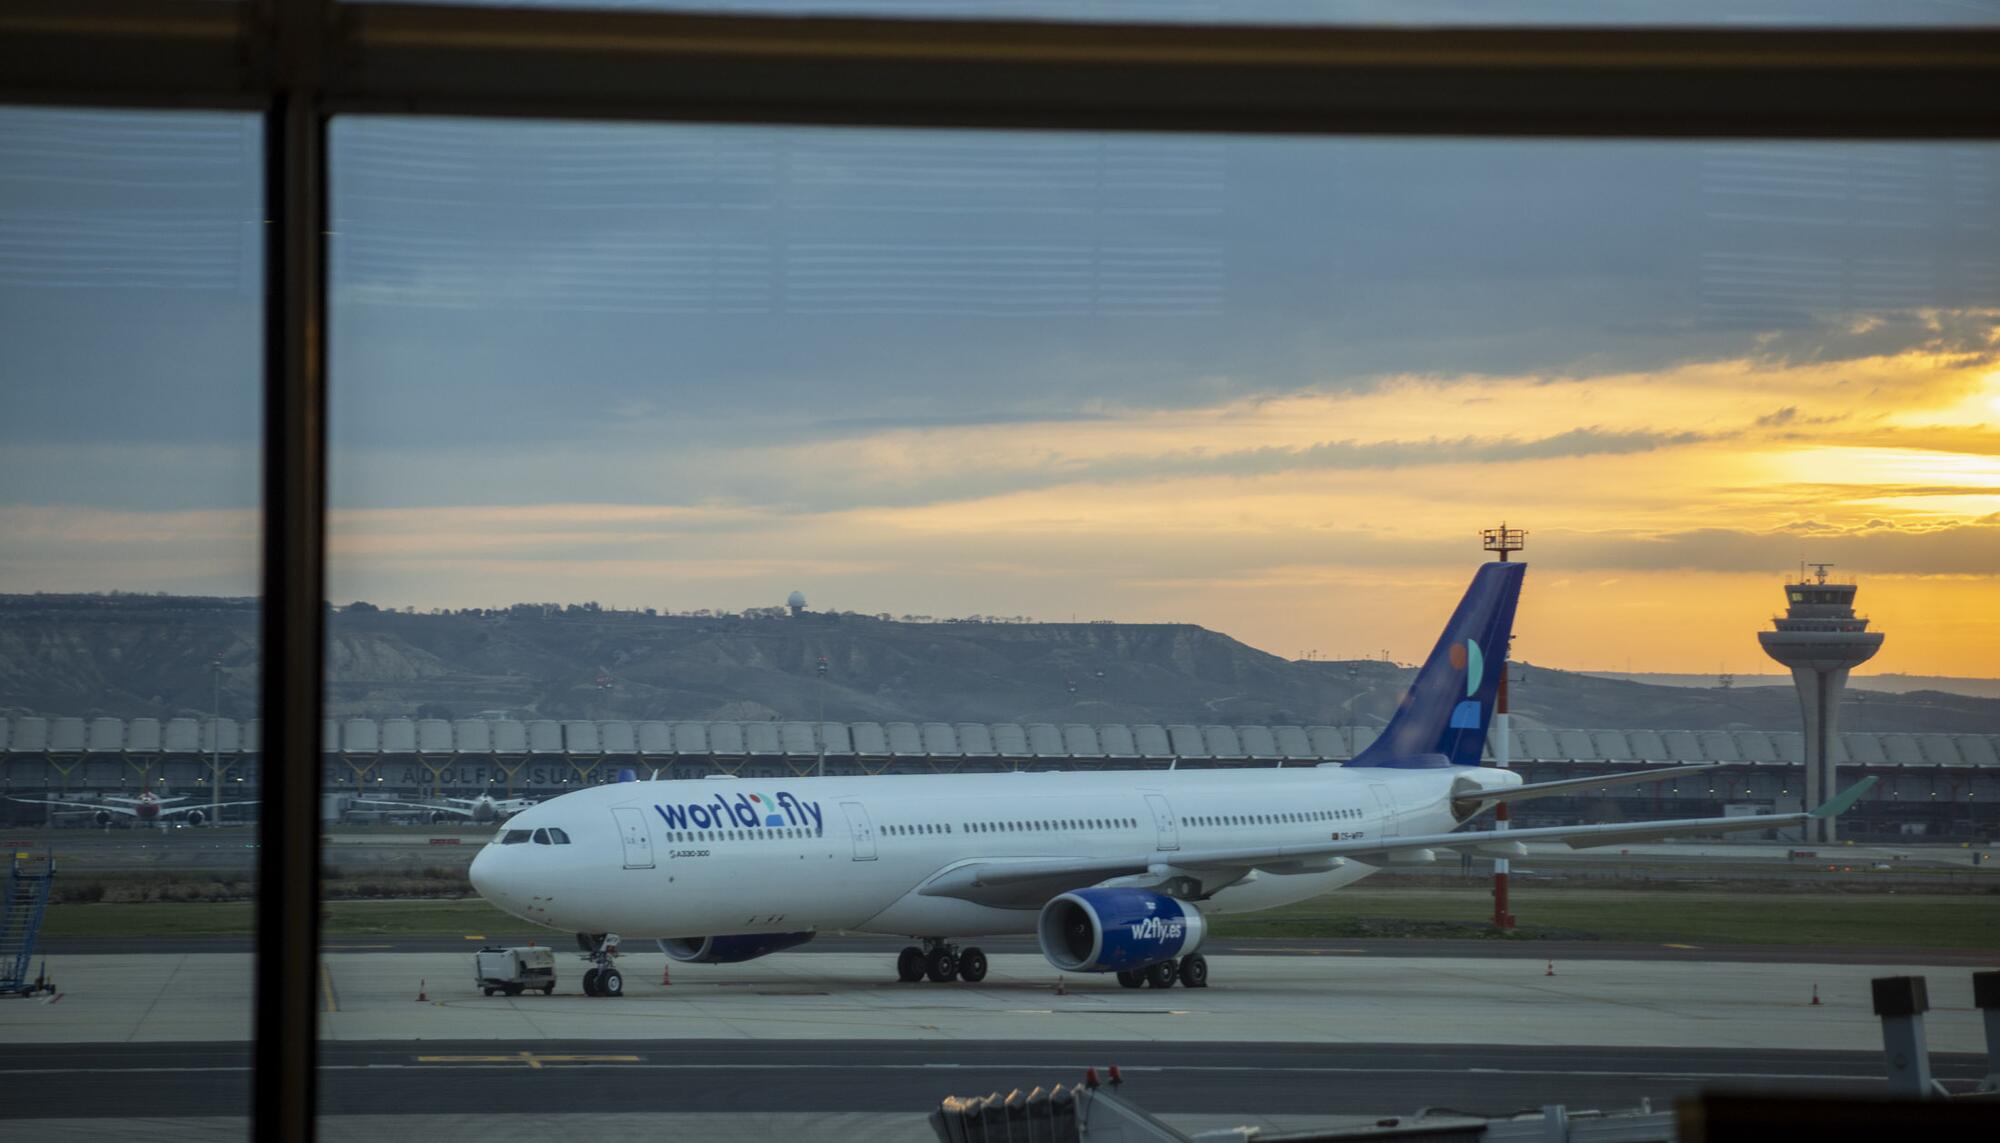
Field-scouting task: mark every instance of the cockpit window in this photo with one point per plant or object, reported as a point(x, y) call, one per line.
point(557, 836)
point(542, 837)
point(514, 837)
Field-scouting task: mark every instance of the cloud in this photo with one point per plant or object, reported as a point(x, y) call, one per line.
point(1389, 454)
point(1942, 549)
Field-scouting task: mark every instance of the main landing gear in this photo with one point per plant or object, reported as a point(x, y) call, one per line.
point(1190, 970)
point(604, 979)
point(939, 962)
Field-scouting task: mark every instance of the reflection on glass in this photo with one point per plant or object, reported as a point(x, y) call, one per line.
point(1417, 13)
point(687, 452)
point(130, 255)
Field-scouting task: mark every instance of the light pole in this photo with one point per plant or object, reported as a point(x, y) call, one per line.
point(1503, 541)
point(819, 732)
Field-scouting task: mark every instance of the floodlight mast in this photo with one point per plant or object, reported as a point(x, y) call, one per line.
point(1505, 541)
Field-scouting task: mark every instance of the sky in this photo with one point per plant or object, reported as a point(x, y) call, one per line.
point(1273, 387)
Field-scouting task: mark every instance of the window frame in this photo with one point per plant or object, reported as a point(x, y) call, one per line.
point(298, 62)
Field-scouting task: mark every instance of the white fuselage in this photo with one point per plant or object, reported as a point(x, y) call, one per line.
point(849, 854)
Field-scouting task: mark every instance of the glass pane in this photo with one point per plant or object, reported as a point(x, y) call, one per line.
point(1418, 13)
point(130, 269)
point(753, 454)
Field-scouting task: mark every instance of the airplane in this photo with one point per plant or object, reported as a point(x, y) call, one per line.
point(147, 808)
point(480, 810)
point(1115, 872)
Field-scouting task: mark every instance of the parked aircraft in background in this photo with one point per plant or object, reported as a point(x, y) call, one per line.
point(1113, 871)
point(147, 808)
point(480, 810)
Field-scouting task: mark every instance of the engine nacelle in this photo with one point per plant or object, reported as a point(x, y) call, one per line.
point(102, 817)
point(194, 817)
point(731, 949)
point(439, 817)
point(1117, 930)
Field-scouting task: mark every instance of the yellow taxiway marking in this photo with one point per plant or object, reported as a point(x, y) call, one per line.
point(326, 987)
point(475, 936)
point(531, 1059)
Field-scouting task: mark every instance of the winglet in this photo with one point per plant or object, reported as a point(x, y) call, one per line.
point(1841, 804)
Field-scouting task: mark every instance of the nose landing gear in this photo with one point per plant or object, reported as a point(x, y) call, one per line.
point(940, 961)
point(604, 979)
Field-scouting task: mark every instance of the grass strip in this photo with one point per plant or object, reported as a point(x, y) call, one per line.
point(1848, 920)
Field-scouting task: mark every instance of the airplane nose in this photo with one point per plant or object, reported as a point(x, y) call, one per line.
point(481, 874)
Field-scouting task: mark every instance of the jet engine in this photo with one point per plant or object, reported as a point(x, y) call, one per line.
point(439, 817)
point(732, 949)
point(194, 817)
point(1117, 930)
point(102, 817)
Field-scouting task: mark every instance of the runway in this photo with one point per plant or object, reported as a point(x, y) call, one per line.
point(482, 1077)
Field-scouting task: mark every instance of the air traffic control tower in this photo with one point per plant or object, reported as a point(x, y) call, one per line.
point(1820, 638)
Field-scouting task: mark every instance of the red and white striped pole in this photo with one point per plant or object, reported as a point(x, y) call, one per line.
point(1504, 541)
point(1502, 918)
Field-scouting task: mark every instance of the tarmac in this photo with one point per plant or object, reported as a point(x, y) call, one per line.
point(826, 1047)
point(1321, 996)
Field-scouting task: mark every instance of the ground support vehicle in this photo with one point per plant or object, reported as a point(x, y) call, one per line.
point(515, 970)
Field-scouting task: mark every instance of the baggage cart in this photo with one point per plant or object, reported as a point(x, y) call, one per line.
point(515, 970)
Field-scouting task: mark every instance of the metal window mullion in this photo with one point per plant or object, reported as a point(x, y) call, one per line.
point(294, 578)
point(572, 63)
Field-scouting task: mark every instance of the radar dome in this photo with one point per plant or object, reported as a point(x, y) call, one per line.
point(796, 601)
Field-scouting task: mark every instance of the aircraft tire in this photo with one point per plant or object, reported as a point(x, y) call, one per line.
point(1162, 975)
point(590, 982)
point(1132, 978)
point(941, 966)
point(972, 966)
point(610, 983)
point(1194, 971)
point(910, 965)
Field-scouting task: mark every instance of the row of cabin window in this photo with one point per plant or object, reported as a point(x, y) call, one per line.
point(1010, 827)
point(548, 836)
point(1275, 819)
point(771, 833)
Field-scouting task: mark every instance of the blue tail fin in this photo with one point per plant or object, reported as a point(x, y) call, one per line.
point(1449, 706)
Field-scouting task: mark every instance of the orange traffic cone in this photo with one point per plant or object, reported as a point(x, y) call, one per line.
point(664, 982)
point(1062, 989)
point(421, 998)
point(1552, 967)
point(1815, 1000)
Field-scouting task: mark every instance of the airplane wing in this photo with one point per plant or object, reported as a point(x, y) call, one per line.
point(1028, 884)
point(1571, 785)
point(79, 807)
point(204, 807)
point(435, 807)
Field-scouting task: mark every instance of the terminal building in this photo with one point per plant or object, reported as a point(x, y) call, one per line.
point(1933, 785)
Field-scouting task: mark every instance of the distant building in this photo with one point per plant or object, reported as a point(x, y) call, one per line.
point(797, 602)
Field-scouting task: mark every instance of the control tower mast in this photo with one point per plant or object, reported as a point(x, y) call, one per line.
point(1820, 638)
